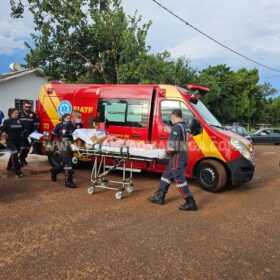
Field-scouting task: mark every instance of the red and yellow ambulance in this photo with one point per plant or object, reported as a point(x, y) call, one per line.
point(217, 156)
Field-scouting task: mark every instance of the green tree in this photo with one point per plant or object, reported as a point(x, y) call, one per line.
point(83, 39)
point(237, 95)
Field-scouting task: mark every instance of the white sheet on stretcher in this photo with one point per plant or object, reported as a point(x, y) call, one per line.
point(156, 153)
point(85, 135)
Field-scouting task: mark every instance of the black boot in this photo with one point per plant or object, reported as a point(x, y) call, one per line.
point(19, 173)
point(53, 174)
point(55, 171)
point(190, 205)
point(69, 183)
point(158, 197)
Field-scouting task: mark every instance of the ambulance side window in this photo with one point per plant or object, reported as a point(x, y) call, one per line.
point(124, 112)
point(166, 107)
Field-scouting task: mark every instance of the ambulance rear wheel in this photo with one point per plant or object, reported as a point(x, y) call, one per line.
point(211, 175)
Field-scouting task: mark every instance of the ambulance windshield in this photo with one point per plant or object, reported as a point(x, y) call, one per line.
point(206, 114)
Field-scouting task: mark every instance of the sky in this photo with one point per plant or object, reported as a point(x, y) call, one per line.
point(250, 27)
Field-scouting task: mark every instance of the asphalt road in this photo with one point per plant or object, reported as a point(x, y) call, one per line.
point(51, 232)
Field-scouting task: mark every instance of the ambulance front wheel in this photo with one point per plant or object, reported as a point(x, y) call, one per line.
point(211, 175)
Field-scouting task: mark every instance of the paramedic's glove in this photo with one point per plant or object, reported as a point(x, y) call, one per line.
point(48, 147)
point(73, 148)
point(163, 154)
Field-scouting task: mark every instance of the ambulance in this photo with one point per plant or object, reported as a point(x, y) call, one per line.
point(217, 156)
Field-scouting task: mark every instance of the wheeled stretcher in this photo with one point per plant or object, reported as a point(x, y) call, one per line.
point(122, 157)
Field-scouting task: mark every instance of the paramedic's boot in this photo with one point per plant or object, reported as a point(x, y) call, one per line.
point(19, 173)
point(23, 161)
point(10, 166)
point(158, 197)
point(55, 171)
point(53, 174)
point(190, 205)
point(69, 183)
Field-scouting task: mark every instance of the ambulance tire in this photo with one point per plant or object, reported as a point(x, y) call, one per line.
point(211, 175)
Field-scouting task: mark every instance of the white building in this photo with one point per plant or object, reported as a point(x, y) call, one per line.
point(18, 86)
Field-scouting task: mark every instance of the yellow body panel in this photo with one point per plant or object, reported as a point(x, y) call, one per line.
point(207, 146)
point(50, 103)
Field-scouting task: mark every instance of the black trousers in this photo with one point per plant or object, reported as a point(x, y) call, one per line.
point(14, 147)
point(24, 149)
point(65, 164)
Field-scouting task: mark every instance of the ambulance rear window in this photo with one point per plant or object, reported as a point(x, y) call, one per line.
point(124, 112)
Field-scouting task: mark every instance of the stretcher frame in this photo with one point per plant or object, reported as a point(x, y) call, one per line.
point(100, 170)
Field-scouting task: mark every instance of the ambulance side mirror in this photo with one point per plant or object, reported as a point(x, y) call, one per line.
point(195, 126)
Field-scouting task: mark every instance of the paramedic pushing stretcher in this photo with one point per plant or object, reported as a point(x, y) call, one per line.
point(63, 131)
point(178, 159)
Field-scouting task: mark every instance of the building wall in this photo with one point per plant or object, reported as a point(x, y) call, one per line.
point(24, 87)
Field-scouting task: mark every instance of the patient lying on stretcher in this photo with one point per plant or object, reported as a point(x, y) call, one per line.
point(91, 137)
point(97, 136)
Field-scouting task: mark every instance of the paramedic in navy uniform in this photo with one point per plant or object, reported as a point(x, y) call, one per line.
point(63, 131)
point(30, 124)
point(178, 159)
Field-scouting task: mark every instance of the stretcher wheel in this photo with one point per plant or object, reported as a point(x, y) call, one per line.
point(118, 195)
point(91, 190)
point(130, 189)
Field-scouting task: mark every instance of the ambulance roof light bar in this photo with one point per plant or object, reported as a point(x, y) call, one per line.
point(197, 91)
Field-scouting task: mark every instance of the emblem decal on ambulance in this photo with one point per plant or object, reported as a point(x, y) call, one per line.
point(64, 107)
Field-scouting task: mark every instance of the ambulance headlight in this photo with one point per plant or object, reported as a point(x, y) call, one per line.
point(241, 148)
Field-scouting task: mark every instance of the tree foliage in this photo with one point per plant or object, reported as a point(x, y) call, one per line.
point(238, 96)
point(89, 38)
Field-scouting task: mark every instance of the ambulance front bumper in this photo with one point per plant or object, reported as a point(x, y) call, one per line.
point(242, 170)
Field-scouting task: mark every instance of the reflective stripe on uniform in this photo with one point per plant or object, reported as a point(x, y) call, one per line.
point(14, 152)
point(15, 126)
point(26, 119)
point(165, 180)
point(68, 168)
point(181, 185)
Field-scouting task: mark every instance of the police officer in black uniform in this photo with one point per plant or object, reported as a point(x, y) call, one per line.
point(14, 130)
point(176, 168)
point(30, 124)
point(63, 131)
